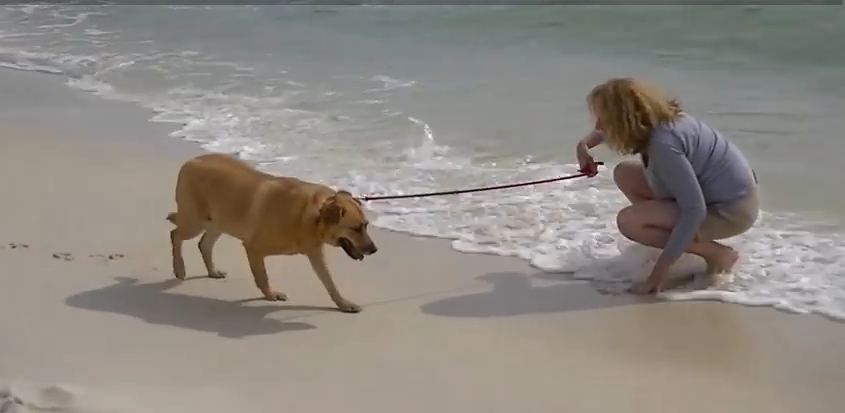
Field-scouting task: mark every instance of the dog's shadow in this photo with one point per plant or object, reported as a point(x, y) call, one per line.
point(152, 303)
point(514, 294)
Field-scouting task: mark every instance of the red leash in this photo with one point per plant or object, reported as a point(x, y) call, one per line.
point(481, 189)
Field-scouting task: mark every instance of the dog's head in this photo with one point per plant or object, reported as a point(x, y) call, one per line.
point(345, 225)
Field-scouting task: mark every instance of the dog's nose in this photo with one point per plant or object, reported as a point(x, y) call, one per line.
point(371, 249)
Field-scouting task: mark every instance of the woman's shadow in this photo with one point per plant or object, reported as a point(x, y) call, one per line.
point(515, 294)
point(152, 303)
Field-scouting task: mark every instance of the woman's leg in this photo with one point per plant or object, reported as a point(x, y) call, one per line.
point(651, 222)
point(629, 177)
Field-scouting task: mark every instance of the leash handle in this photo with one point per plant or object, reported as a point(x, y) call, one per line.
point(481, 189)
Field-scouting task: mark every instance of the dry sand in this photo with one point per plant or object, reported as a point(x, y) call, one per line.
point(82, 178)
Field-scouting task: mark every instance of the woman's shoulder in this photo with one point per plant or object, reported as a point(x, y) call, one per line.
point(681, 121)
point(675, 136)
point(666, 132)
point(676, 129)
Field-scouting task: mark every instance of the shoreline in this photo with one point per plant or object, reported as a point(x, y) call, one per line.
point(106, 330)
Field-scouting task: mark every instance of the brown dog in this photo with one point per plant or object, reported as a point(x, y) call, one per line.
point(218, 194)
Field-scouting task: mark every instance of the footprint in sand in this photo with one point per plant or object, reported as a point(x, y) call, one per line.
point(63, 256)
point(66, 256)
point(107, 257)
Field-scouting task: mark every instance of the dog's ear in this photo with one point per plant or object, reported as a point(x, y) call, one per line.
point(349, 194)
point(331, 212)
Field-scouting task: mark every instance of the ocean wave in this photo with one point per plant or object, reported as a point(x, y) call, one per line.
point(74, 66)
point(388, 83)
point(71, 20)
point(96, 32)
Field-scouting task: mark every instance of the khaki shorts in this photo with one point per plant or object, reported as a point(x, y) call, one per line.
point(732, 218)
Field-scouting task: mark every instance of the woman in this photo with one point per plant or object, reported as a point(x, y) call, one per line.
point(692, 186)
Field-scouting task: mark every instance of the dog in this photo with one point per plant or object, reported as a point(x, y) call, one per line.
point(271, 215)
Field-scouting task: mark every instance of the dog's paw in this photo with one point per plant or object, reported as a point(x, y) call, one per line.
point(348, 307)
point(179, 268)
point(275, 296)
point(217, 274)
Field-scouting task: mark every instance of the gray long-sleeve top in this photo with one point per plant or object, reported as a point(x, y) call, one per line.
point(695, 165)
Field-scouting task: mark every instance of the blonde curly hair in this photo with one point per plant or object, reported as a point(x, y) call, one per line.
point(627, 110)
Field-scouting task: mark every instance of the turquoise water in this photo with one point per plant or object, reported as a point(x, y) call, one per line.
point(384, 99)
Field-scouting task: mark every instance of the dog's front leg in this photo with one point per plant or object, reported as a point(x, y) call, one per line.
point(318, 263)
point(259, 272)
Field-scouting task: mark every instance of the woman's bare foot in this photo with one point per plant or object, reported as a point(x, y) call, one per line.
point(723, 261)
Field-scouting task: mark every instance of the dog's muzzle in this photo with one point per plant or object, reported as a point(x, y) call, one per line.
point(371, 249)
point(350, 249)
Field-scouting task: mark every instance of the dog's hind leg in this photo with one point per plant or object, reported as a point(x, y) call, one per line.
point(259, 272)
point(206, 247)
point(182, 233)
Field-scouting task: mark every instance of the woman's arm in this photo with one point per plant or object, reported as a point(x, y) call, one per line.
point(590, 141)
point(582, 152)
point(675, 171)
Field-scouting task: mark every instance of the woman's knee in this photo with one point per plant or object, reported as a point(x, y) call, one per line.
point(633, 219)
point(629, 177)
point(627, 221)
point(623, 170)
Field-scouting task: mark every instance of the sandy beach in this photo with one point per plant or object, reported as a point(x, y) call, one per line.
point(94, 321)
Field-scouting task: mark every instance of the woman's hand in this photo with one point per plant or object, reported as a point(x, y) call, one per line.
point(656, 280)
point(586, 163)
point(654, 285)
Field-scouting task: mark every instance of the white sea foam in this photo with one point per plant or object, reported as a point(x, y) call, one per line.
point(26, 61)
point(90, 84)
point(389, 83)
point(30, 8)
point(95, 32)
point(75, 20)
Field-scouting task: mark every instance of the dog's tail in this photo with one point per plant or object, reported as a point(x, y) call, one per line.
point(172, 217)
